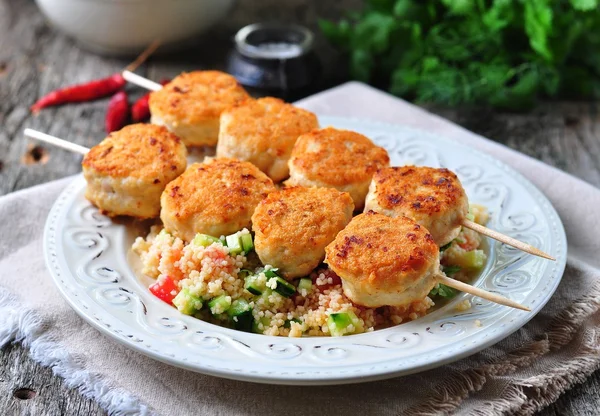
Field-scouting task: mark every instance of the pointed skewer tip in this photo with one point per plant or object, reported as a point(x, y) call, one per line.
point(527, 248)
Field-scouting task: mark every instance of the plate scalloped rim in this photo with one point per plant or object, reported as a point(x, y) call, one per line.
point(86, 255)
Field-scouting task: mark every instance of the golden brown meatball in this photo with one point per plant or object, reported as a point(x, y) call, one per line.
point(128, 171)
point(432, 197)
point(384, 261)
point(264, 132)
point(294, 225)
point(340, 159)
point(190, 106)
point(215, 198)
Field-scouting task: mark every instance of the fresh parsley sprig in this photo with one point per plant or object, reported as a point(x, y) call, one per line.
point(506, 53)
point(443, 291)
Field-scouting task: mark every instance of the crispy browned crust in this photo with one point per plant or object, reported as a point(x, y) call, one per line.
point(384, 253)
point(267, 125)
point(216, 192)
point(195, 97)
point(293, 226)
point(337, 157)
point(422, 190)
point(142, 151)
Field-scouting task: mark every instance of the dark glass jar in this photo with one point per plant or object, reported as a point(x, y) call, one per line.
point(275, 59)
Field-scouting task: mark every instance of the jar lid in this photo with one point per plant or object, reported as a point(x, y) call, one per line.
point(273, 41)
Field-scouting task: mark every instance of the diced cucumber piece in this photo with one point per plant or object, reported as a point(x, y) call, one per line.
point(234, 243)
point(253, 285)
point(238, 307)
point(244, 272)
point(271, 273)
point(243, 322)
point(267, 297)
point(187, 303)
point(247, 243)
point(284, 288)
point(241, 315)
point(220, 304)
point(304, 286)
point(446, 246)
point(205, 240)
point(288, 322)
point(222, 317)
point(474, 259)
point(450, 270)
point(339, 323)
point(259, 325)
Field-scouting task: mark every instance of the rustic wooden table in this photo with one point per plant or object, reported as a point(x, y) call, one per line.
point(34, 59)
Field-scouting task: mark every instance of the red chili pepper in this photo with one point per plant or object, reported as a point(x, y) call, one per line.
point(140, 110)
point(165, 289)
point(117, 112)
point(81, 92)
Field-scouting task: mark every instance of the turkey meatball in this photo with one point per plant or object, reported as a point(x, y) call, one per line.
point(294, 225)
point(432, 197)
point(215, 198)
point(384, 261)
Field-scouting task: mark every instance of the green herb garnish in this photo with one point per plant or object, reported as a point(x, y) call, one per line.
point(504, 53)
point(443, 291)
point(446, 246)
point(451, 270)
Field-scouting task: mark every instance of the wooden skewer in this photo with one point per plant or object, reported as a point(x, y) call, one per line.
point(43, 137)
point(456, 284)
point(143, 56)
point(492, 297)
point(506, 239)
point(141, 81)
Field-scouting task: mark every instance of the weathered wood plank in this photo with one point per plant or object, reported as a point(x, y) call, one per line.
point(20, 376)
point(564, 135)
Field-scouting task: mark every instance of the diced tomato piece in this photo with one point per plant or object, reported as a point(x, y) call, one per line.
point(165, 289)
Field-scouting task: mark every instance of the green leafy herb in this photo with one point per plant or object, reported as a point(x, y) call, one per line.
point(505, 53)
point(451, 270)
point(443, 291)
point(445, 246)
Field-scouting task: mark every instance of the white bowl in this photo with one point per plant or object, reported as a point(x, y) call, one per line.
point(126, 27)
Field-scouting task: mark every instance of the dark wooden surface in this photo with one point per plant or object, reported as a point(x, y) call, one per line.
point(34, 59)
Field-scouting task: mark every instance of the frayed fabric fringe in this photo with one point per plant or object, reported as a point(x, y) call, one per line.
point(19, 324)
point(525, 397)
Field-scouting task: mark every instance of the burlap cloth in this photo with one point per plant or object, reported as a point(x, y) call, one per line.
point(523, 373)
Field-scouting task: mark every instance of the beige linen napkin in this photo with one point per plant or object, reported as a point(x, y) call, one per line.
point(521, 374)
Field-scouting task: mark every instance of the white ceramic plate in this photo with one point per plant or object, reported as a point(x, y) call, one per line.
point(87, 255)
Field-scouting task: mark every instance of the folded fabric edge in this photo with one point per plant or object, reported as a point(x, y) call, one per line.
point(24, 325)
point(458, 386)
point(41, 187)
point(533, 394)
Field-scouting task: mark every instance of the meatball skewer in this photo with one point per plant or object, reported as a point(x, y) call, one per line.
point(217, 197)
point(335, 158)
point(55, 141)
point(141, 81)
point(191, 104)
point(263, 132)
point(293, 225)
point(128, 171)
point(435, 199)
point(392, 261)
